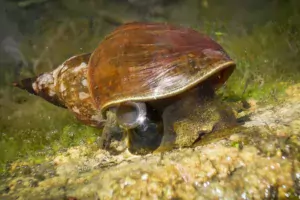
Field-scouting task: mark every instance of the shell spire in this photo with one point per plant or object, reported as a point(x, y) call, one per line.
point(67, 87)
point(26, 84)
point(43, 86)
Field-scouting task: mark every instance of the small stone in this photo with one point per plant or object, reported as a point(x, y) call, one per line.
point(129, 181)
point(144, 177)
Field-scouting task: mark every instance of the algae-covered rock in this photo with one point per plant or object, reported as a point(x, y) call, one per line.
point(258, 160)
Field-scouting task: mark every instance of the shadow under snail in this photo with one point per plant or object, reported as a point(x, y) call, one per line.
point(154, 82)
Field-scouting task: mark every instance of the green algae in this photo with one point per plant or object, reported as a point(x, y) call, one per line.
point(34, 128)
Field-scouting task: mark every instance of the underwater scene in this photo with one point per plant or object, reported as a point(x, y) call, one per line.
point(149, 99)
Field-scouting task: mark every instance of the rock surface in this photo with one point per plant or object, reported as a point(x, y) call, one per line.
point(259, 160)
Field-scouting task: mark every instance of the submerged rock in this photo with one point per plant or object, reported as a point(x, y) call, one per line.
point(258, 160)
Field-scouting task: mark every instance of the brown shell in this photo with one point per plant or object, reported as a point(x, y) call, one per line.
point(147, 61)
point(71, 88)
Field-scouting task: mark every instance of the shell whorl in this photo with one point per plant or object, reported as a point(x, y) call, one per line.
point(67, 86)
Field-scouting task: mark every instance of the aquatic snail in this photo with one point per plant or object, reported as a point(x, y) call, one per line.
point(147, 79)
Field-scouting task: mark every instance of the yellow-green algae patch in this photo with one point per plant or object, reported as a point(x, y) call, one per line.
point(33, 128)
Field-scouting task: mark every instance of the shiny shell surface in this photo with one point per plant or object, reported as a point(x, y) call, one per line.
point(148, 61)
